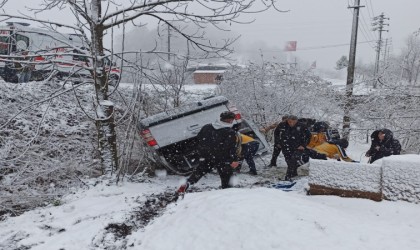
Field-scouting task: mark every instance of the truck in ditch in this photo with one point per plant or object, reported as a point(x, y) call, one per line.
point(171, 135)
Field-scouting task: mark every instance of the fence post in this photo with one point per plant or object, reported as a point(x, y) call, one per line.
point(367, 135)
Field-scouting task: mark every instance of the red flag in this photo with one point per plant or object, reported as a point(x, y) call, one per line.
point(313, 65)
point(290, 46)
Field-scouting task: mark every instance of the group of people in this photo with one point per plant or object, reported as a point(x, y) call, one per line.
point(223, 147)
point(299, 143)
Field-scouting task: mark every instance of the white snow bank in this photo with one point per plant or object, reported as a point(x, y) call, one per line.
point(395, 178)
point(249, 219)
point(239, 219)
point(401, 177)
point(345, 175)
point(76, 224)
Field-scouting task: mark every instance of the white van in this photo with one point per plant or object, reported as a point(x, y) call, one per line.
point(49, 52)
point(171, 135)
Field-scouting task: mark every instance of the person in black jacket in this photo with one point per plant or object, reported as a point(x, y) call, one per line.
point(294, 136)
point(383, 144)
point(277, 146)
point(217, 148)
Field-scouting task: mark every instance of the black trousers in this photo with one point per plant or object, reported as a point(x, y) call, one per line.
point(276, 153)
point(315, 155)
point(224, 170)
point(249, 151)
point(292, 164)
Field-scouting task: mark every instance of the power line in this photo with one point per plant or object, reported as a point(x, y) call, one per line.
point(333, 45)
point(368, 35)
point(369, 13)
point(367, 27)
point(371, 8)
point(364, 32)
point(311, 48)
point(379, 23)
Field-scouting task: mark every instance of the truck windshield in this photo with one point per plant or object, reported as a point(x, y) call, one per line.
point(4, 45)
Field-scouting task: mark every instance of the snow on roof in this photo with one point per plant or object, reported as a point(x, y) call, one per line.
point(187, 108)
point(209, 71)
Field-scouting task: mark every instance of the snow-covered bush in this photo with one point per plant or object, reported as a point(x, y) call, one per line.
point(396, 108)
point(48, 144)
point(266, 92)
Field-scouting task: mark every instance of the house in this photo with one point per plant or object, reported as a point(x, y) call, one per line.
point(208, 76)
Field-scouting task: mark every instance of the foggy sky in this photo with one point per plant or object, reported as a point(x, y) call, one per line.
point(312, 23)
point(328, 22)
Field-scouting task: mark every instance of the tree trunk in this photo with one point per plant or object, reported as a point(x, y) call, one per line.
point(107, 137)
point(105, 125)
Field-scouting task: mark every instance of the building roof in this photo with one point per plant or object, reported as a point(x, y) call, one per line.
point(209, 71)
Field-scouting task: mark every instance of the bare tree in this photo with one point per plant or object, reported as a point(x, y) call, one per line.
point(95, 19)
point(265, 92)
point(342, 63)
point(411, 59)
point(395, 103)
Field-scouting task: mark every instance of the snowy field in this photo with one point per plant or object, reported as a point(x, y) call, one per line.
point(144, 214)
point(189, 91)
point(251, 216)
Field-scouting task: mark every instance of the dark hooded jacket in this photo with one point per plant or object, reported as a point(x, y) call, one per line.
point(217, 143)
point(388, 146)
point(293, 137)
point(277, 133)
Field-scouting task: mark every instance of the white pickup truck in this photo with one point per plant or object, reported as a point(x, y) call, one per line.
point(171, 135)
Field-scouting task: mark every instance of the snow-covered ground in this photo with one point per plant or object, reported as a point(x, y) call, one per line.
point(143, 214)
point(200, 90)
point(264, 218)
point(359, 88)
point(251, 216)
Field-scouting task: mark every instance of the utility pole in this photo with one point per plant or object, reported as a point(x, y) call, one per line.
point(348, 103)
point(385, 54)
point(169, 43)
point(378, 25)
point(389, 48)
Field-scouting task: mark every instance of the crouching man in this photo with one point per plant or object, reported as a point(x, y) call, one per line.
point(217, 145)
point(383, 144)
